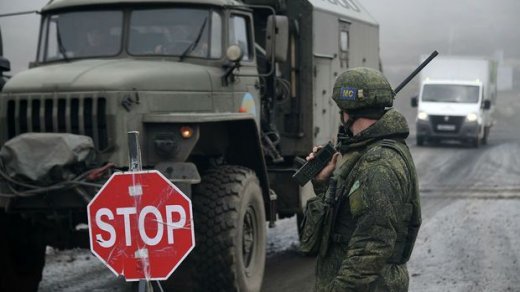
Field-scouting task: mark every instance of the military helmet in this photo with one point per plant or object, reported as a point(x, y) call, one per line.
point(362, 90)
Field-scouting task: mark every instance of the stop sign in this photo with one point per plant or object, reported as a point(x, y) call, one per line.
point(141, 225)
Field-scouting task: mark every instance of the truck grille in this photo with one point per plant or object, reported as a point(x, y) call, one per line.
point(77, 115)
point(446, 124)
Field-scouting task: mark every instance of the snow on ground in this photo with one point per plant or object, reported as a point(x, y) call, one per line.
point(284, 236)
point(77, 270)
point(471, 245)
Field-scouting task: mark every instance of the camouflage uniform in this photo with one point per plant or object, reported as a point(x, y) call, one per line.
point(377, 211)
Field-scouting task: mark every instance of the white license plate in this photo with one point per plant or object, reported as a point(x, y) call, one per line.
point(446, 127)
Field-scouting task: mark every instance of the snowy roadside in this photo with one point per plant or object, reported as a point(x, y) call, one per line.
point(78, 270)
point(283, 237)
point(471, 245)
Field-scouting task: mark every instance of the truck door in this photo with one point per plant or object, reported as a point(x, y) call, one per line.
point(245, 88)
point(325, 117)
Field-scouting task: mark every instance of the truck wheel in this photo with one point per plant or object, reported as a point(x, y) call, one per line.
point(22, 254)
point(229, 231)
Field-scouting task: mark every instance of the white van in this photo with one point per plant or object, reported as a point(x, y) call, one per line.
point(456, 100)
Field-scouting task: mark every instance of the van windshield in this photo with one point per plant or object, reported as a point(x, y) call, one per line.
point(450, 93)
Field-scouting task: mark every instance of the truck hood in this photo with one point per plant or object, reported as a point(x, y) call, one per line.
point(449, 109)
point(109, 75)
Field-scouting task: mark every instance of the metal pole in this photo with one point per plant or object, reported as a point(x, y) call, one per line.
point(134, 151)
point(135, 164)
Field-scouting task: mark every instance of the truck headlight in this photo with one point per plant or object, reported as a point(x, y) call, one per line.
point(472, 117)
point(422, 116)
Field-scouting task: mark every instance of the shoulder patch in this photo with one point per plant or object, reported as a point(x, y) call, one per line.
point(354, 187)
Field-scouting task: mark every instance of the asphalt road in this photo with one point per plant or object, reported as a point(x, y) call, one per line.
point(468, 241)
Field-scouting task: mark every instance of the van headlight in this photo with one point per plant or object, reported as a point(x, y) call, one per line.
point(422, 116)
point(472, 117)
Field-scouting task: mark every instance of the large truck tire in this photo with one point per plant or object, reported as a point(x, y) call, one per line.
point(22, 253)
point(229, 231)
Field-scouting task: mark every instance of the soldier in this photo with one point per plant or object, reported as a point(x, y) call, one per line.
point(375, 213)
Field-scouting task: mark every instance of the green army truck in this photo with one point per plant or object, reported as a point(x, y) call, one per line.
point(228, 97)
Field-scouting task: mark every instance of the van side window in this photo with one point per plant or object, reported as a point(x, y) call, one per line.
point(239, 34)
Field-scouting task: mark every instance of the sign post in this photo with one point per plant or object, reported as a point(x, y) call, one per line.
point(140, 223)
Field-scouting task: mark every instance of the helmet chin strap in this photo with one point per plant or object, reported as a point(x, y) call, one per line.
point(347, 124)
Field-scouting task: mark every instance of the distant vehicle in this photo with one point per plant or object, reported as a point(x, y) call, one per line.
point(228, 97)
point(456, 100)
point(5, 66)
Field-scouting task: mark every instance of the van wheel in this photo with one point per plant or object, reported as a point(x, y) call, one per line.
point(485, 137)
point(476, 142)
point(22, 253)
point(420, 141)
point(229, 230)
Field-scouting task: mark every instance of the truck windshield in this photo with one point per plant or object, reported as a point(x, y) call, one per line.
point(450, 93)
point(181, 31)
point(174, 32)
point(81, 34)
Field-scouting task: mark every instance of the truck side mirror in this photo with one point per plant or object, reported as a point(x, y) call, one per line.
point(5, 65)
point(1, 44)
point(487, 104)
point(234, 54)
point(414, 101)
point(278, 43)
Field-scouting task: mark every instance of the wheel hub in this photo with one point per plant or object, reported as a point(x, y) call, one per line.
point(248, 240)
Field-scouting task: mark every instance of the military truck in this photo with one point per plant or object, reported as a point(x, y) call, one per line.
point(228, 98)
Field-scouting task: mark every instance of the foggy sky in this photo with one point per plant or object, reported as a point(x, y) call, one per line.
point(408, 28)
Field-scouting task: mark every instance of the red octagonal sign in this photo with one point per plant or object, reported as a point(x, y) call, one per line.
point(141, 225)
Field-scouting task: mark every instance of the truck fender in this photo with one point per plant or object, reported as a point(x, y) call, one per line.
point(245, 149)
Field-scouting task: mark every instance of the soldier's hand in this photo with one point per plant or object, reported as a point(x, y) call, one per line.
point(326, 172)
